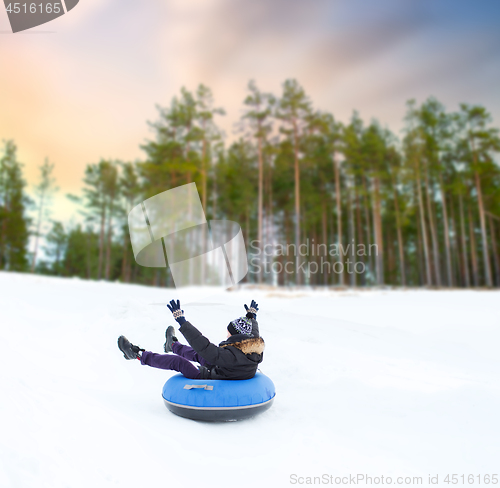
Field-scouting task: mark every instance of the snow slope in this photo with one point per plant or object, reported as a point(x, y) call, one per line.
point(374, 382)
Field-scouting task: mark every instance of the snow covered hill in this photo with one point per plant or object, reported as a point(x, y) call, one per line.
point(392, 383)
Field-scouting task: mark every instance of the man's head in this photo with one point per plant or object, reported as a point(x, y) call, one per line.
point(241, 325)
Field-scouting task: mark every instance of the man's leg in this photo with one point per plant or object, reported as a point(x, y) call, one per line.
point(188, 353)
point(168, 361)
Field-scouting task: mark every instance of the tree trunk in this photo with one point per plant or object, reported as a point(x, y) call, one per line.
point(214, 201)
point(352, 233)
point(325, 240)
point(484, 234)
point(101, 242)
point(204, 168)
point(125, 257)
point(456, 249)
point(58, 259)
point(2, 242)
point(108, 242)
point(446, 233)
point(204, 179)
point(284, 274)
point(432, 225)
point(420, 256)
point(473, 251)
point(494, 250)
point(89, 244)
point(336, 171)
point(391, 256)
point(377, 224)
point(260, 202)
point(482, 219)
point(399, 232)
point(247, 224)
point(465, 261)
point(297, 199)
point(423, 226)
point(134, 270)
point(359, 229)
point(366, 200)
point(270, 236)
point(37, 235)
point(189, 237)
point(3, 202)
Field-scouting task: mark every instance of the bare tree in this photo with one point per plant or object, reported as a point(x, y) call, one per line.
point(43, 192)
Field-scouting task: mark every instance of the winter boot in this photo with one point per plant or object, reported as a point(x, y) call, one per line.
point(129, 350)
point(170, 339)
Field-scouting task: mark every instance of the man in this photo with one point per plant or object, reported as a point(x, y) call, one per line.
point(236, 358)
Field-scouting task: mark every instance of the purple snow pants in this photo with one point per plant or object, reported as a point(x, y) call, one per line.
point(178, 362)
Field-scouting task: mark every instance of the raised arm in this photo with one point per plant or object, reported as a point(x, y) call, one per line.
point(208, 351)
point(252, 314)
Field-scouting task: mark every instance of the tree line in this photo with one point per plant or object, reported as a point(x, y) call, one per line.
point(319, 202)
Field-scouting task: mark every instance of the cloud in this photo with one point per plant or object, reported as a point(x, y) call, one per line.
point(291, 34)
point(87, 91)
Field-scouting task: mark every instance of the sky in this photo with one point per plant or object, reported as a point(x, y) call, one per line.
point(84, 86)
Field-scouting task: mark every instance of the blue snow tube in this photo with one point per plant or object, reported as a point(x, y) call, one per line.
point(218, 400)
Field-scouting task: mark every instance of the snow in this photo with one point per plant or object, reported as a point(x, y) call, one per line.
point(379, 382)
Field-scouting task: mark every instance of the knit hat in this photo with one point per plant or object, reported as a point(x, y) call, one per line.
point(241, 325)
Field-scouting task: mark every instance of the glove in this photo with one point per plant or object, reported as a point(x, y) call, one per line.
point(175, 308)
point(252, 311)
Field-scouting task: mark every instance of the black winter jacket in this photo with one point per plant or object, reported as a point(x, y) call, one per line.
point(237, 358)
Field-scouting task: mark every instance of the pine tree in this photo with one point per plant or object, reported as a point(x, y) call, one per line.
point(293, 108)
point(100, 206)
point(258, 114)
point(208, 133)
point(413, 155)
point(478, 143)
point(130, 190)
point(13, 220)
point(375, 148)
